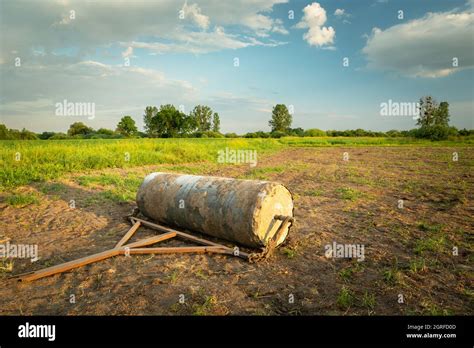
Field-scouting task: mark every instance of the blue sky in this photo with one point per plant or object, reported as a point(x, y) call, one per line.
point(189, 60)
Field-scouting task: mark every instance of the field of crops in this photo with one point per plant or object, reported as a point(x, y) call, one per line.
point(23, 162)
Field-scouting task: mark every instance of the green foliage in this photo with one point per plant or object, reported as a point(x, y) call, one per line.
point(277, 134)
point(434, 120)
point(297, 132)
point(393, 133)
point(148, 117)
point(354, 133)
point(46, 160)
point(104, 131)
point(435, 132)
point(259, 134)
point(418, 265)
point(435, 244)
point(289, 252)
point(345, 299)
point(348, 193)
point(46, 135)
point(15, 134)
point(392, 276)
point(466, 132)
point(262, 172)
point(127, 127)
point(167, 121)
point(368, 300)
point(79, 128)
point(208, 134)
point(216, 123)
point(423, 226)
point(4, 133)
point(314, 132)
point(59, 136)
point(202, 116)
point(281, 118)
point(21, 200)
point(371, 141)
point(427, 110)
point(231, 135)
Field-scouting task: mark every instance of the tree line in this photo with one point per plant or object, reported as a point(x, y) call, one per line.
point(167, 121)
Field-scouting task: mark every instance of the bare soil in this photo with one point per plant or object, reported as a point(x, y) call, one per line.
point(420, 253)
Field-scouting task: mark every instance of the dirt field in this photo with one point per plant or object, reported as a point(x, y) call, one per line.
point(410, 251)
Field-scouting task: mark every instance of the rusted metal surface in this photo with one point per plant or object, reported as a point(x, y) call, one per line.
point(241, 211)
point(137, 248)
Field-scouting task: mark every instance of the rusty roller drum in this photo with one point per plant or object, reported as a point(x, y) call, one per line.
point(241, 211)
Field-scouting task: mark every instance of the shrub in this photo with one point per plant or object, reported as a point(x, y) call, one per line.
point(277, 134)
point(436, 132)
point(314, 132)
point(59, 136)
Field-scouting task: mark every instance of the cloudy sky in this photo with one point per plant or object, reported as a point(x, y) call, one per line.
point(240, 57)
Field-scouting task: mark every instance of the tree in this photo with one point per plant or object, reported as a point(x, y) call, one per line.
point(442, 114)
point(202, 114)
point(433, 120)
point(168, 121)
point(150, 113)
point(79, 128)
point(281, 118)
point(127, 127)
point(216, 123)
point(427, 109)
point(4, 133)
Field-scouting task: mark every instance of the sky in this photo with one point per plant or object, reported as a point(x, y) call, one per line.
point(333, 63)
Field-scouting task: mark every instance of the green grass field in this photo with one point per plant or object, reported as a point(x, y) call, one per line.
point(26, 161)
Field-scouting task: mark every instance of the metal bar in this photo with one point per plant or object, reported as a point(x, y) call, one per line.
point(287, 220)
point(150, 241)
point(72, 264)
point(187, 236)
point(171, 250)
point(63, 267)
point(128, 235)
point(283, 217)
point(135, 248)
point(179, 233)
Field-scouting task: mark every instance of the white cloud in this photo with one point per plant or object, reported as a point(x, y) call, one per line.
point(62, 55)
point(193, 12)
point(27, 23)
point(424, 47)
point(128, 52)
point(341, 13)
point(201, 42)
point(29, 98)
point(314, 18)
point(279, 28)
point(264, 25)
